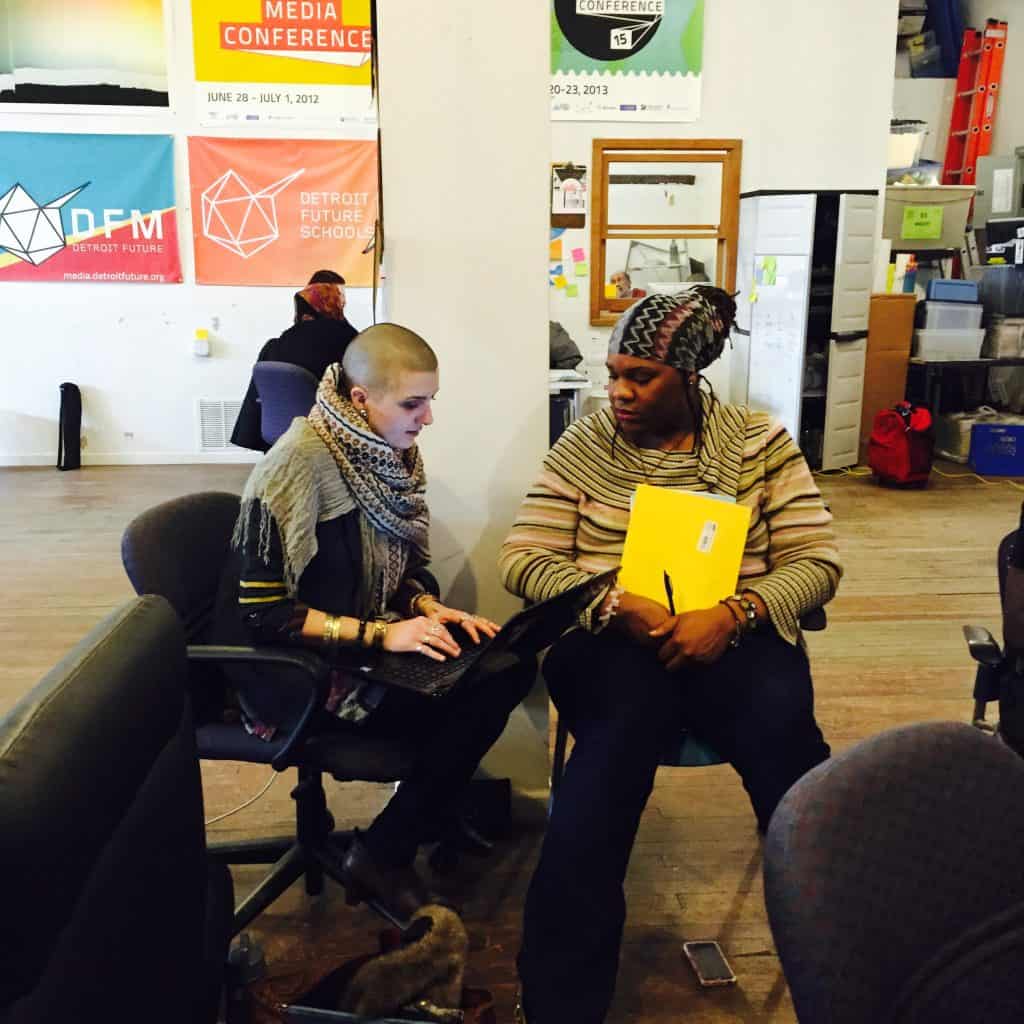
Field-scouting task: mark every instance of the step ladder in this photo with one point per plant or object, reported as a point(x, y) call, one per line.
point(974, 105)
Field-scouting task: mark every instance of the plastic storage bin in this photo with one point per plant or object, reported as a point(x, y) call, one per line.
point(1001, 290)
point(905, 141)
point(940, 346)
point(997, 449)
point(952, 316)
point(944, 289)
point(927, 63)
point(953, 202)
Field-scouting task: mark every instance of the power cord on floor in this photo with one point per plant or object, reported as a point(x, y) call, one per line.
point(248, 803)
point(863, 471)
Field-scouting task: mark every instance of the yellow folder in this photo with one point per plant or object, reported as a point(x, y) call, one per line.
point(698, 540)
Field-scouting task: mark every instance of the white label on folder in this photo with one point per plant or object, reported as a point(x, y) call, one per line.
point(707, 537)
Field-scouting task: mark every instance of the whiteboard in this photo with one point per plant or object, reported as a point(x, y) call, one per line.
point(777, 340)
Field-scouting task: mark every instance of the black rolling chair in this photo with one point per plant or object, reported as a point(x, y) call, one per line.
point(112, 911)
point(285, 391)
point(688, 751)
point(178, 550)
point(893, 881)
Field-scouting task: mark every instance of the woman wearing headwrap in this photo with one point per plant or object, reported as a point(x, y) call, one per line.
point(317, 338)
point(633, 676)
point(328, 552)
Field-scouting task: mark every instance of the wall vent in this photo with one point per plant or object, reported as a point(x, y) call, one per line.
point(216, 421)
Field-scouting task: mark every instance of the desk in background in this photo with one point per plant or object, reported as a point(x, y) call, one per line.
point(924, 376)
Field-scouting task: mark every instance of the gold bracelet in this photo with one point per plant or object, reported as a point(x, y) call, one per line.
point(380, 629)
point(330, 637)
point(417, 604)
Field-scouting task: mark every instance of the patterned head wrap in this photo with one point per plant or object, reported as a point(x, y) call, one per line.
point(686, 330)
point(326, 300)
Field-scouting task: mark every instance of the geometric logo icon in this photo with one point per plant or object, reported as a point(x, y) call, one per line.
point(240, 220)
point(29, 231)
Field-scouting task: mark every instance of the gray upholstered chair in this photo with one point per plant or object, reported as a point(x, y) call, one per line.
point(894, 881)
point(111, 909)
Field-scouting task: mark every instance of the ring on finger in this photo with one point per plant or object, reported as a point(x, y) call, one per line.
point(419, 648)
point(435, 629)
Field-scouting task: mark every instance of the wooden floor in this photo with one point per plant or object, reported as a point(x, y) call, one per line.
point(918, 565)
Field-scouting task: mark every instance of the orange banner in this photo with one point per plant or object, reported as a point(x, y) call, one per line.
point(272, 211)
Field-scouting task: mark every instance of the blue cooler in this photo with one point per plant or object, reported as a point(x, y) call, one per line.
point(997, 449)
point(944, 289)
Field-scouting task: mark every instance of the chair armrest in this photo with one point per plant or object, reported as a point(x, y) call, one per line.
point(312, 665)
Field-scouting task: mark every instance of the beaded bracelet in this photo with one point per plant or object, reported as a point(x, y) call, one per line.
point(611, 606)
point(737, 636)
point(749, 610)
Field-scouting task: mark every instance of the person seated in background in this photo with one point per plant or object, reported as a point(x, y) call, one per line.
point(329, 552)
point(629, 681)
point(318, 337)
point(624, 286)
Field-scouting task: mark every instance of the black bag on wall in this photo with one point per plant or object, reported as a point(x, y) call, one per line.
point(69, 438)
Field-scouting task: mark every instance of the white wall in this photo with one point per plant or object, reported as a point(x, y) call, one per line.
point(464, 127)
point(1008, 131)
point(807, 87)
point(129, 347)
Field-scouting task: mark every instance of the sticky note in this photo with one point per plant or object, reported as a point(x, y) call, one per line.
point(924, 222)
point(555, 252)
point(572, 290)
point(557, 269)
point(770, 267)
point(610, 291)
point(581, 270)
point(202, 334)
point(578, 255)
point(560, 281)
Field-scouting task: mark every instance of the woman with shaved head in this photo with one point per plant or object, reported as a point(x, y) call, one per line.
point(329, 552)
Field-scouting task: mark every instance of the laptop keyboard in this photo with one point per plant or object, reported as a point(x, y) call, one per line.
point(425, 673)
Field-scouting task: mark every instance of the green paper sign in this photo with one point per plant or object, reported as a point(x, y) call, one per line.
point(923, 222)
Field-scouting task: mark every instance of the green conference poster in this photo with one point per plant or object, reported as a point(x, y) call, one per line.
point(626, 60)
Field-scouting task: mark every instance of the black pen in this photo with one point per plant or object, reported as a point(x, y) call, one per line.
point(668, 592)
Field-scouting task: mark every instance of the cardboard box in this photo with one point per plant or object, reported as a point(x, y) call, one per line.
point(890, 329)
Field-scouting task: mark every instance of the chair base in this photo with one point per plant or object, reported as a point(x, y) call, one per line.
point(316, 850)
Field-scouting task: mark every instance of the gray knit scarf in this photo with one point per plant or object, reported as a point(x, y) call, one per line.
point(326, 465)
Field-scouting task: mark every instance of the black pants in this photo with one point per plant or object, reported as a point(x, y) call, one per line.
point(451, 736)
point(755, 706)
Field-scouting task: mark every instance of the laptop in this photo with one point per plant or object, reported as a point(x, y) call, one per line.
point(525, 634)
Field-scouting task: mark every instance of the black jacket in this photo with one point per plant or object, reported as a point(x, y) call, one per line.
point(311, 344)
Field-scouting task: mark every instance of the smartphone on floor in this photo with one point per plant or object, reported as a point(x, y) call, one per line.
point(709, 963)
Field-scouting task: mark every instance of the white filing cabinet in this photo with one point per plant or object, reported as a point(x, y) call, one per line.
point(806, 262)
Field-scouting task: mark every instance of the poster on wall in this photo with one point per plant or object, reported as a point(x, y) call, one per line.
point(92, 52)
point(283, 61)
point(88, 208)
point(626, 60)
point(273, 211)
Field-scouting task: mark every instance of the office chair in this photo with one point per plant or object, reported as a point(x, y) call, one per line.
point(178, 550)
point(690, 752)
point(112, 910)
point(285, 391)
point(893, 881)
point(1000, 674)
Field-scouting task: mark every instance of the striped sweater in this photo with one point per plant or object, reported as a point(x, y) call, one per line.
point(573, 521)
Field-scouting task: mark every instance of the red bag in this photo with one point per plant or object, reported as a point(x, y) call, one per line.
point(900, 448)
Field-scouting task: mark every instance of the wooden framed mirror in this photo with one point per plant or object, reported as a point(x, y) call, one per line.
point(665, 212)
